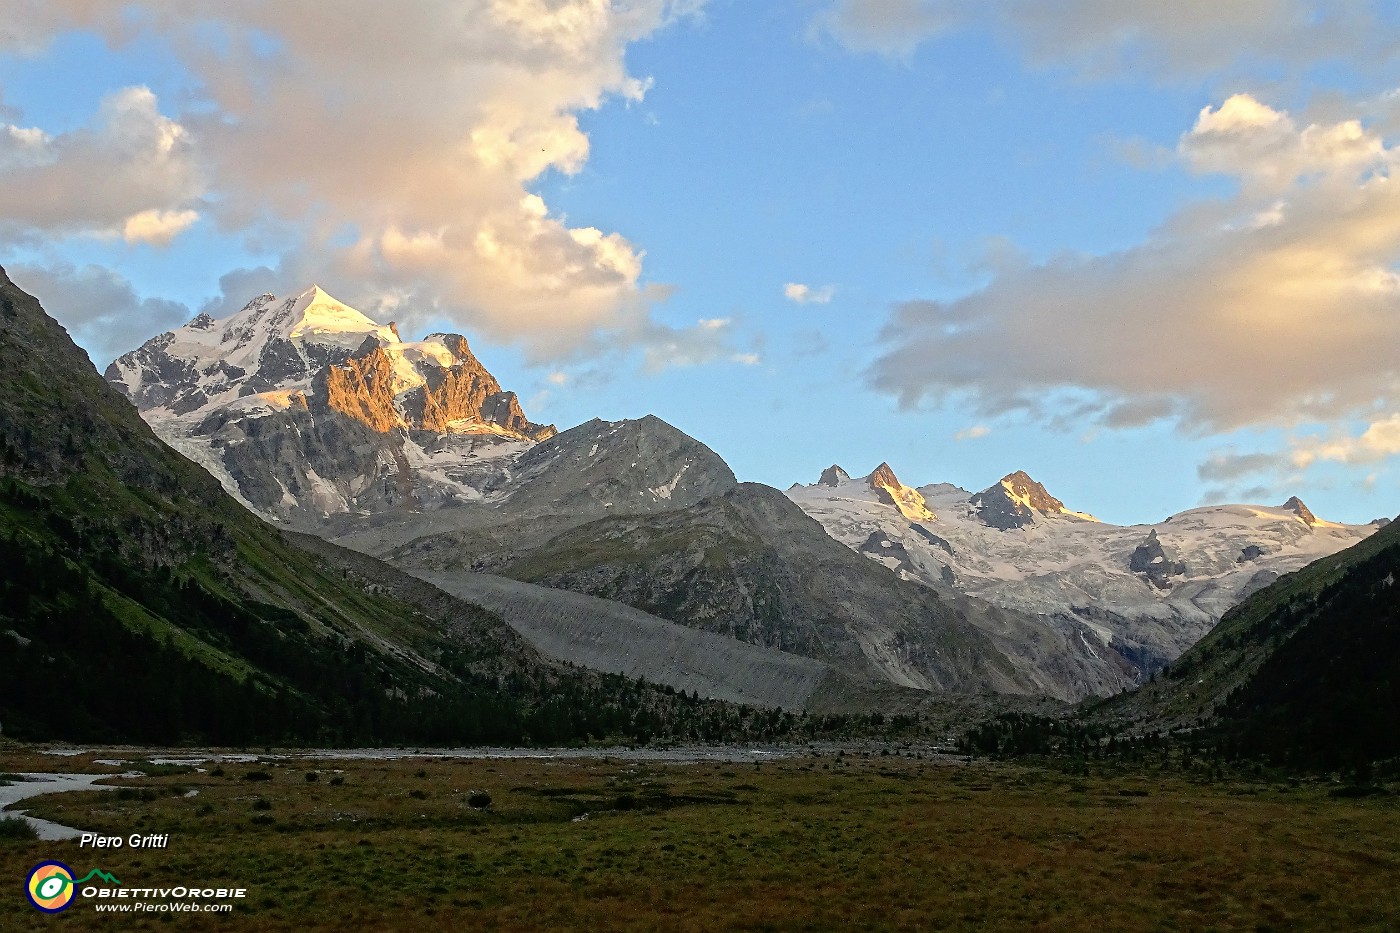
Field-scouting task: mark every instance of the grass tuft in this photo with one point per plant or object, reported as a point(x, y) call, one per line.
point(16, 828)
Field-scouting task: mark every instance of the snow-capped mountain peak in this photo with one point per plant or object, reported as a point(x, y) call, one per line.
point(310, 375)
point(310, 317)
point(270, 345)
point(316, 313)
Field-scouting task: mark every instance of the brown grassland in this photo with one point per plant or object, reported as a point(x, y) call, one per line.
point(884, 842)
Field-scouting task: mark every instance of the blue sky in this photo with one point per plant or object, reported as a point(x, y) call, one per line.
point(1151, 260)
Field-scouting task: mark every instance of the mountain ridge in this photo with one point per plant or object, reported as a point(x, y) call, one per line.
point(1082, 607)
point(1134, 597)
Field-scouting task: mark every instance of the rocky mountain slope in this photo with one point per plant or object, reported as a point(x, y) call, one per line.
point(598, 469)
point(1132, 598)
point(605, 635)
point(1305, 672)
point(303, 407)
point(139, 602)
point(640, 513)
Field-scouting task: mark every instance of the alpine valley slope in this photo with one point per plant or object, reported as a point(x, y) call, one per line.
point(1305, 672)
point(139, 602)
point(1134, 597)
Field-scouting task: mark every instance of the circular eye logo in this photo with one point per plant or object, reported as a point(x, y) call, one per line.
point(50, 887)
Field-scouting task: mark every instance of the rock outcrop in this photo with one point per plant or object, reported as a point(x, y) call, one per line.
point(361, 388)
point(1250, 552)
point(1156, 562)
point(457, 395)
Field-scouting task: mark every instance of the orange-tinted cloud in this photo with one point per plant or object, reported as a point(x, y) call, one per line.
point(396, 140)
point(1277, 306)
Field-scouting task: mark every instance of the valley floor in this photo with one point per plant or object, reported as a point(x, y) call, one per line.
point(872, 839)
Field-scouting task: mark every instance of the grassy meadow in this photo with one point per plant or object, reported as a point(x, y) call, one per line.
point(856, 841)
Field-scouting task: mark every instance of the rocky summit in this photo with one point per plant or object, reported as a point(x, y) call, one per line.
point(1014, 502)
point(304, 407)
point(890, 490)
point(1296, 506)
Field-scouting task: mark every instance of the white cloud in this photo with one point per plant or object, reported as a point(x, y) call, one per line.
point(888, 27)
point(558, 378)
point(416, 126)
point(22, 146)
point(130, 162)
point(746, 359)
point(1182, 38)
point(972, 433)
point(157, 227)
point(1229, 466)
point(1287, 467)
point(1254, 494)
point(805, 294)
point(1276, 306)
point(709, 340)
point(1267, 151)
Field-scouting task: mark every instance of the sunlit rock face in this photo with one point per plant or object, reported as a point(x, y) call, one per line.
point(891, 491)
point(455, 395)
point(1013, 502)
point(1296, 506)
